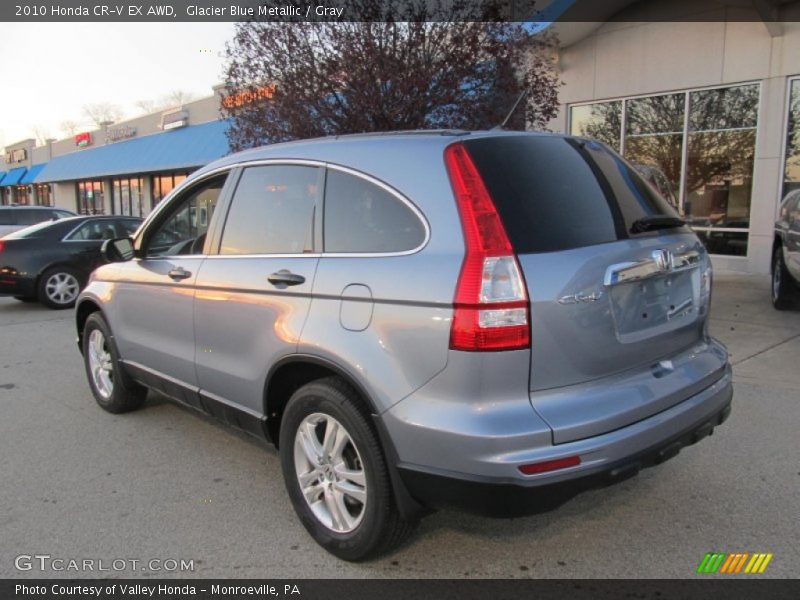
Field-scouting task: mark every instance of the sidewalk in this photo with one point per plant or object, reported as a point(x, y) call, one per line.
point(764, 343)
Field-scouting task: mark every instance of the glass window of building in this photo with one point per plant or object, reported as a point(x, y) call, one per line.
point(44, 195)
point(90, 198)
point(164, 184)
point(791, 176)
point(601, 121)
point(127, 196)
point(22, 195)
point(700, 160)
point(654, 141)
point(719, 168)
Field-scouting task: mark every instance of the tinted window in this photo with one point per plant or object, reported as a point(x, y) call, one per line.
point(557, 193)
point(272, 211)
point(127, 227)
point(7, 217)
point(31, 217)
point(362, 217)
point(186, 222)
point(94, 231)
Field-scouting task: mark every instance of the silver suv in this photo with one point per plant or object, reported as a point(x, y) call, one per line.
point(487, 320)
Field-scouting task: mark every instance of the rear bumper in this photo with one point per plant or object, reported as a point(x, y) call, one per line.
point(546, 492)
point(12, 285)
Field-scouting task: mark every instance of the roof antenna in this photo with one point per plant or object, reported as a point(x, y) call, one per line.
point(511, 112)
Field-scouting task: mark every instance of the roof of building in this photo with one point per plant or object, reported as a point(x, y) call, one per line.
point(183, 148)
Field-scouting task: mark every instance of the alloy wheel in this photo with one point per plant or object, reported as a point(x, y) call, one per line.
point(62, 288)
point(776, 278)
point(100, 364)
point(330, 472)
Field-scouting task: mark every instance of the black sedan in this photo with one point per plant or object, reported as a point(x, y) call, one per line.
point(51, 261)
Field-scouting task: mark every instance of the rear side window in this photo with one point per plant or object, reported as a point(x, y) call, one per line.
point(93, 231)
point(272, 211)
point(363, 217)
point(557, 193)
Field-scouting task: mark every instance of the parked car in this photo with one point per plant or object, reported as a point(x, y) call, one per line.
point(14, 218)
point(486, 320)
point(50, 262)
point(786, 254)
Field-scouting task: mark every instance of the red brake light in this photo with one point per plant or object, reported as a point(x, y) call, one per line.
point(2, 245)
point(491, 301)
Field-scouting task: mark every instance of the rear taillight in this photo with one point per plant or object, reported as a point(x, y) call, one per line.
point(491, 302)
point(2, 245)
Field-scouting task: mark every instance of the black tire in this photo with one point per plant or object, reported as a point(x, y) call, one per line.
point(783, 288)
point(124, 395)
point(50, 295)
point(25, 298)
point(381, 527)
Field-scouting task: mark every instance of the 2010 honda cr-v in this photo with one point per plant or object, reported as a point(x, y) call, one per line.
point(490, 320)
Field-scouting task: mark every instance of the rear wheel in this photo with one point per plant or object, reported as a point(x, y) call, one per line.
point(784, 289)
point(111, 387)
point(59, 287)
point(336, 474)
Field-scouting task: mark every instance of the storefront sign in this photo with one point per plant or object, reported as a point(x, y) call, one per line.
point(83, 139)
point(264, 92)
point(120, 133)
point(15, 156)
point(175, 119)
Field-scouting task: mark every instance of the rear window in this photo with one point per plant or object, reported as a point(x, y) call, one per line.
point(557, 193)
point(362, 217)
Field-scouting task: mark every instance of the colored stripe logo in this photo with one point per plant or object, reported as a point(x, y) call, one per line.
point(735, 563)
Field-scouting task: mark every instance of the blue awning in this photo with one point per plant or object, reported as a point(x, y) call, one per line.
point(32, 173)
point(13, 176)
point(185, 148)
point(2, 174)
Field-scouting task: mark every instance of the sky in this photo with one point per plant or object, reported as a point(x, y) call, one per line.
point(53, 69)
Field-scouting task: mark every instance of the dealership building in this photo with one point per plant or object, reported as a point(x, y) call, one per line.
point(120, 168)
point(705, 100)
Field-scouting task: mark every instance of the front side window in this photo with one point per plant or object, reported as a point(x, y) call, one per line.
point(183, 230)
point(362, 217)
point(272, 211)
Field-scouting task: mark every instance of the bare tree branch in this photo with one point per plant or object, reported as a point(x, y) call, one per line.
point(415, 71)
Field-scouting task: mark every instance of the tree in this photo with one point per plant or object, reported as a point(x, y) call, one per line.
point(177, 98)
point(68, 127)
point(147, 106)
point(42, 134)
point(102, 112)
point(405, 71)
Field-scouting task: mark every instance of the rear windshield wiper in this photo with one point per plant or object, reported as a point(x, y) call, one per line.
point(656, 222)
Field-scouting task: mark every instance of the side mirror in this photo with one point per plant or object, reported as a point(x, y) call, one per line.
point(117, 250)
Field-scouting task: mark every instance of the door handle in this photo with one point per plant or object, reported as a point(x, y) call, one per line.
point(284, 278)
point(179, 274)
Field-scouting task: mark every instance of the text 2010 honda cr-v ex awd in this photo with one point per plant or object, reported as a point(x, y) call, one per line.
point(489, 320)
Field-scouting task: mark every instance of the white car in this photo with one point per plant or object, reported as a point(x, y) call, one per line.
point(13, 218)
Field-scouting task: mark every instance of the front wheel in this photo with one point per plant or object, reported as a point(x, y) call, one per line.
point(111, 387)
point(784, 290)
point(336, 474)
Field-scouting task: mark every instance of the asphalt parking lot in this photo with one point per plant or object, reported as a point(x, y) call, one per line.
point(163, 483)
